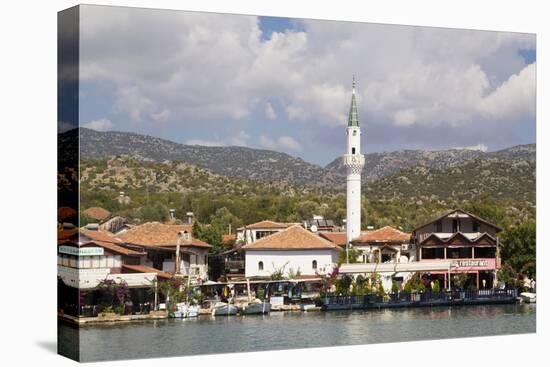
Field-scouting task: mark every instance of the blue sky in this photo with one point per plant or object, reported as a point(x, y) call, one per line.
point(285, 84)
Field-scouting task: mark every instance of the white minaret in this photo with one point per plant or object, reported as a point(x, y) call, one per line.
point(354, 162)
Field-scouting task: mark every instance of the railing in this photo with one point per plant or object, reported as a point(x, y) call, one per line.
point(357, 301)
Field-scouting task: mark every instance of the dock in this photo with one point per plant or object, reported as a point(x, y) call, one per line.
point(426, 299)
point(112, 317)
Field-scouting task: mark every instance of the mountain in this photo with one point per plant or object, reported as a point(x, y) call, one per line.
point(132, 175)
point(512, 181)
point(247, 163)
point(270, 166)
point(379, 165)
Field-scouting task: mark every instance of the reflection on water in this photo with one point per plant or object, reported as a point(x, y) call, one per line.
point(284, 330)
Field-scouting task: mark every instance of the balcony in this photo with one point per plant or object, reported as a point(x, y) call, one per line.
point(352, 160)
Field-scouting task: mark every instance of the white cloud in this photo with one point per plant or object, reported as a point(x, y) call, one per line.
point(239, 139)
point(282, 143)
point(514, 98)
point(480, 147)
point(405, 117)
point(99, 125)
point(270, 112)
point(288, 142)
point(186, 66)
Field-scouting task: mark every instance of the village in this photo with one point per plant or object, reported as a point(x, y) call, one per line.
point(116, 270)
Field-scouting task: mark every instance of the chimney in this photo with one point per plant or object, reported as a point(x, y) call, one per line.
point(189, 217)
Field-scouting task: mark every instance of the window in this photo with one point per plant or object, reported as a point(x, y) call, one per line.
point(485, 252)
point(438, 227)
point(314, 264)
point(262, 234)
point(455, 225)
point(432, 253)
point(354, 132)
point(261, 265)
point(475, 226)
point(352, 150)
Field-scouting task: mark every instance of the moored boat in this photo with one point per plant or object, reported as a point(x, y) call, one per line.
point(183, 310)
point(256, 308)
point(224, 309)
point(528, 297)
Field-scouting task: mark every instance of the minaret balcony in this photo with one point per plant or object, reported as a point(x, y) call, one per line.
point(354, 160)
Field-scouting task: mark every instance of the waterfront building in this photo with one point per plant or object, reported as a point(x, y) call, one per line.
point(85, 258)
point(161, 242)
point(255, 231)
point(468, 242)
point(353, 161)
point(294, 249)
point(385, 245)
point(230, 263)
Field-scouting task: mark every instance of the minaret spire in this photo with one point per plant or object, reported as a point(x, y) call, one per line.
point(353, 119)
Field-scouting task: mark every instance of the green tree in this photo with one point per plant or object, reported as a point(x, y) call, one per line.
point(353, 253)
point(519, 248)
point(394, 287)
point(509, 276)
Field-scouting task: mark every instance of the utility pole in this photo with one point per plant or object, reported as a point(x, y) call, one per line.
point(178, 264)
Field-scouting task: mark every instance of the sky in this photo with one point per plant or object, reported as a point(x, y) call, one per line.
point(285, 84)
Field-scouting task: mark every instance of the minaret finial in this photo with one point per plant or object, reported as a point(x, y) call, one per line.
point(353, 119)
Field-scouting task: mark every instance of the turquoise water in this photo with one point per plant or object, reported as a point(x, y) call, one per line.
point(286, 330)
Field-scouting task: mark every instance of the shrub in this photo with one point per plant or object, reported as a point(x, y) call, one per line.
point(408, 288)
point(436, 288)
point(381, 291)
point(421, 287)
point(394, 287)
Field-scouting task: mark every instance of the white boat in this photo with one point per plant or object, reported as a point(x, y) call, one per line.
point(528, 297)
point(224, 309)
point(256, 308)
point(184, 310)
point(308, 307)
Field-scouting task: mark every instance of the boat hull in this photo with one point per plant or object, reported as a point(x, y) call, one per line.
point(224, 310)
point(256, 308)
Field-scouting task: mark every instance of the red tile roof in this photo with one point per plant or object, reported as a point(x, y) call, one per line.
point(155, 234)
point(108, 242)
point(292, 238)
point(338, 238)
point(384, 234)
point(229, 238)
point(268, 224)
point(146, 269)
point(64, 212)
point(97, 212)
point(65, 234)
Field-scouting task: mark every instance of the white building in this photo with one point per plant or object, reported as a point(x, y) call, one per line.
point(353, 161)
point(85, 258)
point(294, 249)
point(255, 231)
